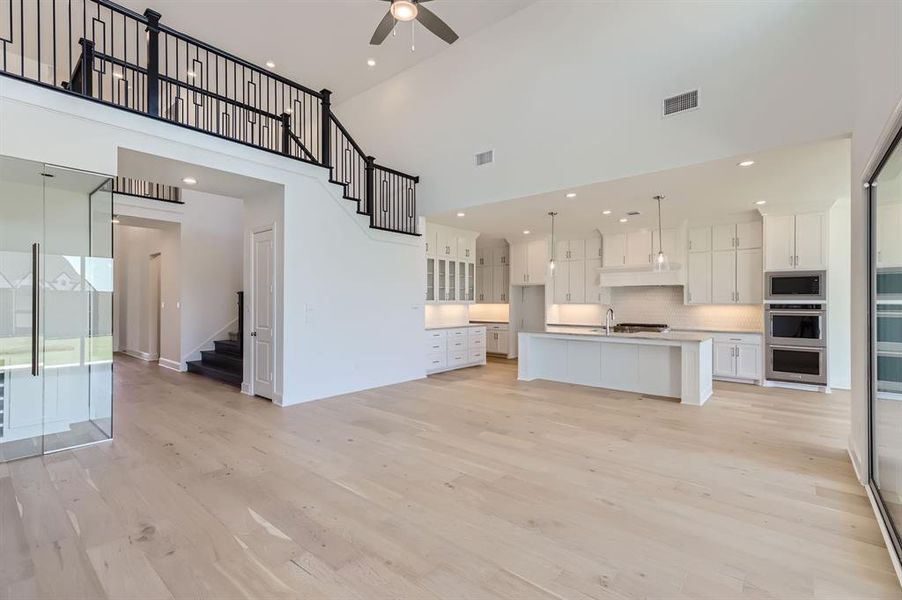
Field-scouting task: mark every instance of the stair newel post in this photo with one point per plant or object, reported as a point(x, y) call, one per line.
point(241, 323)
point(326, 129)
point(87, 67)
point(286, 133)
point(370, 186)
point(153, 62)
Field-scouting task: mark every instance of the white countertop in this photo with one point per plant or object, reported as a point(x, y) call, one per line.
point(720, 330)
point(671, 336)
point(468, 325)
point(474, 322)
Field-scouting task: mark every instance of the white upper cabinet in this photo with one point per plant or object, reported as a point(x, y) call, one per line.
point(569, 282)
point(593, 248)
point(723, 237)
point(698, 289)
point(748, 235)
point(483, 257)
point(749, 276)
point(447, 243)
point(501, 256)
point(561, 277)
point(889, 240)
point(431, 237)
point(779, 243)
point(700, 239)
point(795, 242)
point(723, 277)
point(529, 261)
point(570, 250)
point(638, 248)
point(466, 248)
point(614, 250)
point(811, 241)
point(500, 284)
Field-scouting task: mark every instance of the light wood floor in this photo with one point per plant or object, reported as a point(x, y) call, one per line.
point(465, 485)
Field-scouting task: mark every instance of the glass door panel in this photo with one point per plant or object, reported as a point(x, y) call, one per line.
point(76, 307)
point(885, 193)
point(21, 232)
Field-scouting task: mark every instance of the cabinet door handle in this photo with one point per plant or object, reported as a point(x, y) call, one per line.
point(690, 244)
point(690, 296)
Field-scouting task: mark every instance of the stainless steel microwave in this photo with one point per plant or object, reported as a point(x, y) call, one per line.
point(796, 286)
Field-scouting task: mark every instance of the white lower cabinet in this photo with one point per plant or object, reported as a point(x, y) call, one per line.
point(455, 348)
point(738, 357)
point(498, 339)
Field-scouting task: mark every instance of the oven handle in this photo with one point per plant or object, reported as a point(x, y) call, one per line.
point(818, 313)
point(888, 353)
point(808, 348)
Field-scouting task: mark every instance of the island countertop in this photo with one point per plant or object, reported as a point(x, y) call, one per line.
point(671, 336)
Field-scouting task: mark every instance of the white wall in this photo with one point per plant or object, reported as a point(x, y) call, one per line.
point(569, 93)
point(877, 90)
point(839, 308)
point(353, 296)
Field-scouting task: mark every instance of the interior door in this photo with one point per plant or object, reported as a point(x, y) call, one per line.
point(263, 314)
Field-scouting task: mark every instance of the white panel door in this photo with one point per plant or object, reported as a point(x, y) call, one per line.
point(811, 241)
point(748, 361)
point(724, 359)
point(699, 239)
point(748, 235)
point(562, 282)
point(614, 250)
point(638, 248)
point(779, 243)
point(749, 276)
point(263, 315)
point(723, 277)
point(723, 237)
point(699, 278)
point(577, 282)
point(519, 263)
point(538, 262)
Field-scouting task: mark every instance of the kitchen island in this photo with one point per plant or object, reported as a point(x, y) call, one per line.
point(671, 364)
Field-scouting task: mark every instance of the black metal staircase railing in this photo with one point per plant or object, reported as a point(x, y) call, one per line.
point(147, 189)
point(107, 53)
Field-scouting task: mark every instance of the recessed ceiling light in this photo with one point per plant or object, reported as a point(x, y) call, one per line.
point(460, 214)
point(189, 180)
point(746, 163)
point(526, 232)
point(270, 64)
point(115, 219)
point(624, 220)
point(760, 202)
point(371, 62)
point(605, 212)
point(192, 74)
point(117, 75)
point(571, 195)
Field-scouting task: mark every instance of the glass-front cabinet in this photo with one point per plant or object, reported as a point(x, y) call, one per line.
point(449, 278)
point(56, 303)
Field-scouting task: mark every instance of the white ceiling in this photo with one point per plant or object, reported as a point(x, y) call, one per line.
point(321, 43)
point(805, 177)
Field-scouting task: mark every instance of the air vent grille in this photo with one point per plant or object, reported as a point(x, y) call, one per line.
point(485, 158)
point(680, 103)
point(634, 213)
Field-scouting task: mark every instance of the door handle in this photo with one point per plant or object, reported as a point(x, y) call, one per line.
point(35, 308)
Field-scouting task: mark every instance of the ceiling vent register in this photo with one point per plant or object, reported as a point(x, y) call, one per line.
point(681, 103)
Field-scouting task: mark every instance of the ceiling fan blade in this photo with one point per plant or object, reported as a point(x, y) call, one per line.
point(383, 29)
point(433, 23)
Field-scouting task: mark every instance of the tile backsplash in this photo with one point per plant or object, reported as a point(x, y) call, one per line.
point(655, 304)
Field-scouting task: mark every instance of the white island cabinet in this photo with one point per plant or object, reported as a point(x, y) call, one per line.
point(673, 364)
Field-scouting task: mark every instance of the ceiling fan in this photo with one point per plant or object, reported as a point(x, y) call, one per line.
point(409, 10)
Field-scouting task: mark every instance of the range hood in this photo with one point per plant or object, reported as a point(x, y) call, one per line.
point(641, 276)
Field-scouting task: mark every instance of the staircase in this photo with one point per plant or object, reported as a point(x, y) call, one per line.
point(225, 362)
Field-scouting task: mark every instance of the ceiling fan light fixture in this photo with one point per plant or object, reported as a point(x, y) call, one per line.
point(403, 10)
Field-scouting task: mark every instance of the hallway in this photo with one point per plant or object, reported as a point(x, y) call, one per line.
point(466, 484)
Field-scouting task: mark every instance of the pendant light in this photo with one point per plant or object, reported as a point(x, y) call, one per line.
point(552, 214)
point(661, 261)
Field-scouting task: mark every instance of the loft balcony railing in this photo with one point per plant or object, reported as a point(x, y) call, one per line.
point(147, 189)
point(107, 53)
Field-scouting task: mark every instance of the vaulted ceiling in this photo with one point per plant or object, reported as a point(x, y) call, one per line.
point(322, 43)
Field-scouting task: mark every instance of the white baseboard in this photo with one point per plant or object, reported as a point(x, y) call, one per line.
point(145, 356)
point(172, 364)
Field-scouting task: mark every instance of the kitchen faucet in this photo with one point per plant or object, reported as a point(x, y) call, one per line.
point(609, 320)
